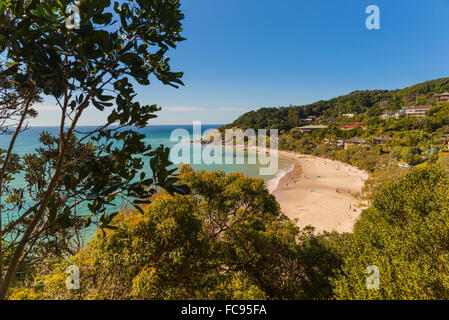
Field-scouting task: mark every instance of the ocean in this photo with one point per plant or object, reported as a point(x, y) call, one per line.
point(156, 135)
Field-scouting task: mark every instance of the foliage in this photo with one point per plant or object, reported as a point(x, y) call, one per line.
point(228, 240)
point(405, 235)
point(410, 137)
point(15, 103)
point(361, 103)
point(92, 66)
point(380, 179)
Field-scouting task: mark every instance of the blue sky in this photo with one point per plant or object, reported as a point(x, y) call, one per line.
point(241, 55)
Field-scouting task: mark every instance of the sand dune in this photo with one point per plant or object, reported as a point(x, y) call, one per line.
point(321, 193)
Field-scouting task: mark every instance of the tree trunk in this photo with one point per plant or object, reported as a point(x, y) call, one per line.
point(3, 172)
point(14, 262)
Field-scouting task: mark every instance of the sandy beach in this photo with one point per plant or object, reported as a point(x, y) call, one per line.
point(321, 193)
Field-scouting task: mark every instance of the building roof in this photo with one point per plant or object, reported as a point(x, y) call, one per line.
point(356, 140)
point(444, 94)
point(427, 107)
point(312, 126)
point(333, 140)
point(354, 125)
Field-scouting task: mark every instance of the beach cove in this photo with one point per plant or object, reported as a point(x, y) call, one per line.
point(321, 193)
point(316, 191)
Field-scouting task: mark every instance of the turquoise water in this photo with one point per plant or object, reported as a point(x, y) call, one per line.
point(28, 141)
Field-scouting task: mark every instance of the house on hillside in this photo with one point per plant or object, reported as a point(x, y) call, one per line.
point(417, 111)
point(339, 143)
point(310, 128)
point(305, 121)
point(387, 115)
point(353, 126)
point(392, 115)
point(443, 96)
point(347, 115)
point(381, 140)
point(355, 142)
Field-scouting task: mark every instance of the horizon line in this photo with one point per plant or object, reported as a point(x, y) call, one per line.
point(98, 125)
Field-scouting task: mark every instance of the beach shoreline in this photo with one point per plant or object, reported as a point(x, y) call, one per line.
point(321, 193)
point(317, 192)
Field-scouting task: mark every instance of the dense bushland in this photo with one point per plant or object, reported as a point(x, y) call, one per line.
point(229, 240)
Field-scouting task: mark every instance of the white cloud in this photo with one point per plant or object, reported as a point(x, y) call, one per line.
point(182, 109)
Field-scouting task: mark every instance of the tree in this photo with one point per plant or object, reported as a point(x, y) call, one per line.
point(404, 234)
point(16, 100)
point(380, 179)
point(89, 67)
point(411, 155)
point(444, 163)
point(227, 240)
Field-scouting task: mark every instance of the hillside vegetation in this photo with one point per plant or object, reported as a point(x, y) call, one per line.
point(229, 240)
point(408, 140)
point(369, 103)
